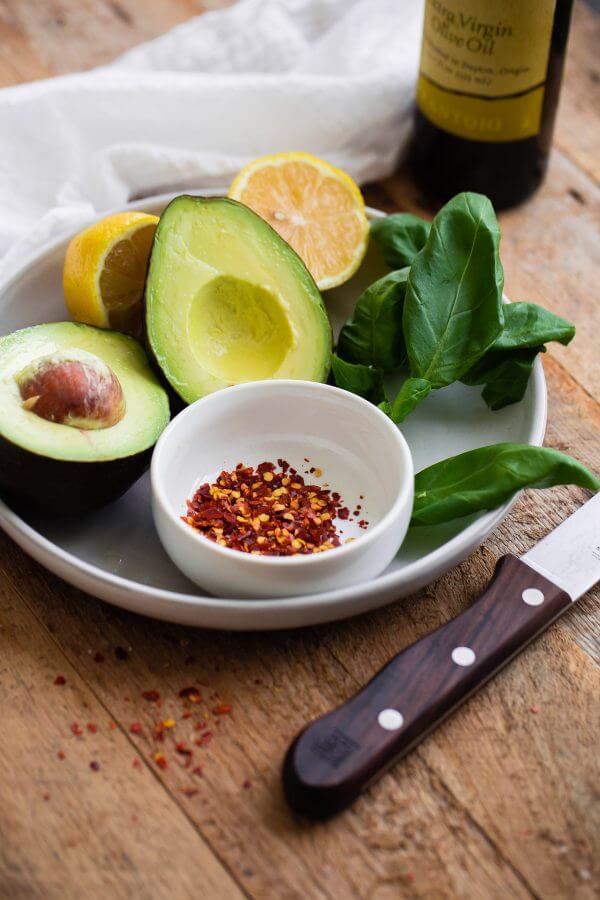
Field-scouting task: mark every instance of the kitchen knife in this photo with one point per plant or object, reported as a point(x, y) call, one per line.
point(339, 755)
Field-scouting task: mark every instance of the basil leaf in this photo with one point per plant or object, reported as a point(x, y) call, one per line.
point(400, 237)
point(453, 306)
point(365, 381)
point(410, 395)
point(529, 325)
point(506, 367)
point(505, 375)
point(484, 478)
point(373, 334)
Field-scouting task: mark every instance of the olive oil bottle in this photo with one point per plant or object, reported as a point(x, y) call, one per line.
point(487, 93)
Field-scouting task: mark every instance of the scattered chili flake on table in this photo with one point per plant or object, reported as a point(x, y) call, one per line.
point(135, 728)
point(160, 760)
point(154, 696)
point(222, 709)
point(189, 792)
point(95, 766)
point(267, 511)
point(76, 729)
point(61, 754)
point(191, 694)
point(91, 727)
point(60, 680)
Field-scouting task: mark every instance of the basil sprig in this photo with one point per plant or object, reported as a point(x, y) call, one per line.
point(443, 317)
point(484, 478)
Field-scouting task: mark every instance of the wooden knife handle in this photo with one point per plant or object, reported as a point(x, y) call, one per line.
point(339, 755)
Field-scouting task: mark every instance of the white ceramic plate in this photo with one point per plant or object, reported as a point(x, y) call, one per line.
point(115, 553)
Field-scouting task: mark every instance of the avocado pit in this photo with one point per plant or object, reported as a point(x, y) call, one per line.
point(76, 389)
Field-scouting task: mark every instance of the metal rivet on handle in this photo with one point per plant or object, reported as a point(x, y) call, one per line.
point(532, 597)
point(463, 656)
point(390, 719)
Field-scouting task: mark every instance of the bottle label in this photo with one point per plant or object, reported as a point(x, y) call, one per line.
point(483, 67)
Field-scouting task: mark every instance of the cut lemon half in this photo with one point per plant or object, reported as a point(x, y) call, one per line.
point(105, 270)
point(316, 208)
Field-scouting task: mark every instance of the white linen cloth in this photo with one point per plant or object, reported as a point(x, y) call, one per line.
point(333, 77)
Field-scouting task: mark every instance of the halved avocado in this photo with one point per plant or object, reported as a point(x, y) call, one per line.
point(80, 410)
point(228, 301)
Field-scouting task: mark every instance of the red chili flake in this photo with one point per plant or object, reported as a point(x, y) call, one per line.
point(189, 792)
point(61, 754)
point(153, 696)
point(76, 729)
point(200, 725)
point(45, 797)
point(98, 657)
point(60, 680)
point(204, 739)
point(160, 760)
point(135, 728)
point(191, 694)
point(267, 511)
point(112, 725)
point(246, 783)
point(91, 727)
point(137, 763)
point(95, 765)
point(222, 709)
point(180, 747)
point(198, 771)
point(187, 715)
point(534, 709)
point(121, 653)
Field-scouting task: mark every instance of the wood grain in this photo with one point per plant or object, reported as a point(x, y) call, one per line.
point(499, 802)
point(577, 133)
point(275, 683)
point(67, 830)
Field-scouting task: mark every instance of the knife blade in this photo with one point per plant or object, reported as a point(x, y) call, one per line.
point(339, 755)
point(570, 555)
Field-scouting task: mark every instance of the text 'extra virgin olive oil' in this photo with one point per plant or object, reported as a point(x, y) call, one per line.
point(487, 94)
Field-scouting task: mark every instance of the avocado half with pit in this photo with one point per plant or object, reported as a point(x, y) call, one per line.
point(229, 301)
point(80, 410)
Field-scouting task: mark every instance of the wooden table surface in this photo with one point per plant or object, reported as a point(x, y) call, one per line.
point(501, 801)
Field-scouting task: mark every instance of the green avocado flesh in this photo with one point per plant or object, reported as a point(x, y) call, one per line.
point(228, 301)
point(144, 407)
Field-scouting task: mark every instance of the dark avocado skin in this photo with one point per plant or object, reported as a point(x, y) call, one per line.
point(65, 487)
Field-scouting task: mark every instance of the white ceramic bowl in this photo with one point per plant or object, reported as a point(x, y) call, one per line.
point(358, 449)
